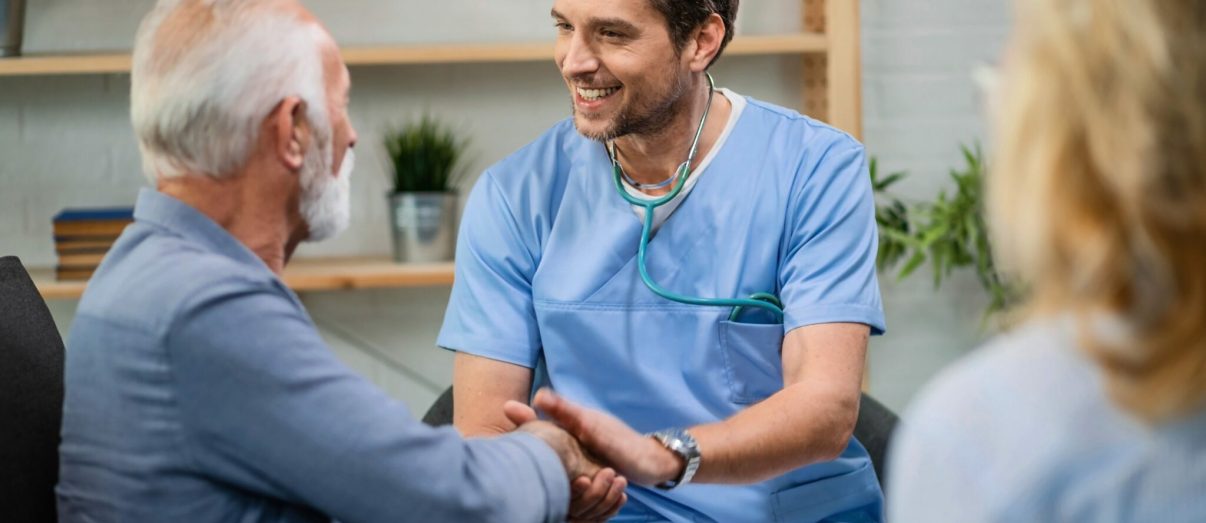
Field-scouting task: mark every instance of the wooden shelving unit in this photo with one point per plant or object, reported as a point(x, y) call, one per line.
point(830, 90)
point(305, 275)
point(117, 63)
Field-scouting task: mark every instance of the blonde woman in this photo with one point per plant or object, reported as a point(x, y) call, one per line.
point(1092, 409)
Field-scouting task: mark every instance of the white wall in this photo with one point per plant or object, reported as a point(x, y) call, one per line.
point(65, 141)
point(919, 104)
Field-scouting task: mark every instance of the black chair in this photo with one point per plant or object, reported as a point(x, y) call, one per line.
point(874, 427)
point(31, 398)
point(440, 412)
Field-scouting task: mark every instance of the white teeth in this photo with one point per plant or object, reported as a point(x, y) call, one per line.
point(591, 95)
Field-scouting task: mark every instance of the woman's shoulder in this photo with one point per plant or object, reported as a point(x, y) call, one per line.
point(1033, 368)
point(1026, 424)
point(1020, 405)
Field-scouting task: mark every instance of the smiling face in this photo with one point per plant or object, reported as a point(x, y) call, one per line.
point(624, 74)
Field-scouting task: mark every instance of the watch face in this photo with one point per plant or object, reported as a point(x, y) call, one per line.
point(680, 442)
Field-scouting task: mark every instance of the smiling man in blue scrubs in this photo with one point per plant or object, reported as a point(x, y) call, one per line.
point(759, 409)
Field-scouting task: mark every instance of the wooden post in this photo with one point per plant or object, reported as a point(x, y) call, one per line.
point(832, 83)
point(844, 68)
point(814, 86)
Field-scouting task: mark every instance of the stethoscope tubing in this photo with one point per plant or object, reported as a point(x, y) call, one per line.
point(761, 300)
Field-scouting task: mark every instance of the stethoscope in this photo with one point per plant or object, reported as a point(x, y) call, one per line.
point(763, 300)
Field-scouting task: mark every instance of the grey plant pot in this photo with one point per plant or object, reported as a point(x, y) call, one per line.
point(12, 25)
point(424, 226)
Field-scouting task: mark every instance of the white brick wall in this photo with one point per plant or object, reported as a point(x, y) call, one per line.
point(919, 105)
point(71, 146)
point(65, 141)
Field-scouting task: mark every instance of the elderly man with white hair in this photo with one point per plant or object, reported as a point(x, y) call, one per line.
point(197, 388)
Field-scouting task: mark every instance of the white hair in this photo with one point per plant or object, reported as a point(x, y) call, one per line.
point(206, 73)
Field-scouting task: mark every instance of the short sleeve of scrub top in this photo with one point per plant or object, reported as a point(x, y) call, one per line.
point(490, 312)
point(828, 270)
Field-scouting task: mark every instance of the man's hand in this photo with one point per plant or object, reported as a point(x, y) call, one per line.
point(638, 457)
point(596, 493)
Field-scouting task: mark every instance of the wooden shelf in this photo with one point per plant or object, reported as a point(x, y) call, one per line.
point(33, 65)
point(305, 275)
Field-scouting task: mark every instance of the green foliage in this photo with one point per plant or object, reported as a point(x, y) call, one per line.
point(892, 216)
point(949, 232)
point(426, 155)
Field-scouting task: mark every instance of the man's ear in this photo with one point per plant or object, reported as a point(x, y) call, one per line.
point(291, 132)
point(705, 43)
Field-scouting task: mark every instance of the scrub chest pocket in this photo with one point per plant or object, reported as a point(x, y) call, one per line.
point(752, 361)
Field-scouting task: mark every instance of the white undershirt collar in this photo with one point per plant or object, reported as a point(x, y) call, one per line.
point(660, 214)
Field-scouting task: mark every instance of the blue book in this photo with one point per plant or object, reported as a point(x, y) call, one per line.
point(97, 214)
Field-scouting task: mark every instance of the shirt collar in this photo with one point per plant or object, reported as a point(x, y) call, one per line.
point(168, 213)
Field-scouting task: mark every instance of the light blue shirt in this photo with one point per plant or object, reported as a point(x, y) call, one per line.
point(197, 389)
point(1023, 431)
point(546, 271)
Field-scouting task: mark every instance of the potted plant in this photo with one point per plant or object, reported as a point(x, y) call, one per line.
point(949, 232)
point(12, 21)
point(427, 159)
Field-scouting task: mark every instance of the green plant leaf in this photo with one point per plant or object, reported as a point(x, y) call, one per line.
point(426, 156)
point(914, 262)
point(897, 236)
point(885, 183)
point(949, 231)
point(934, 233)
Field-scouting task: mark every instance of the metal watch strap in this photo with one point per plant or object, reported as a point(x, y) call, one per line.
point(680, 442)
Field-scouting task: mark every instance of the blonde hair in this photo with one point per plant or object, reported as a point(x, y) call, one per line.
point(1098, 194)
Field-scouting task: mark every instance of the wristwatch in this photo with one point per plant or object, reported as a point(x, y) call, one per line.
point(679, 442)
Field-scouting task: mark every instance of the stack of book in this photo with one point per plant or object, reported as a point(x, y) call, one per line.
point(83, 236)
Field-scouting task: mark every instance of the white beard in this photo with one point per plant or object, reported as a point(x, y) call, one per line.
point(325, 202)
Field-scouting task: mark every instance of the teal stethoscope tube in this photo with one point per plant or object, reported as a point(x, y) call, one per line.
point(761, 300)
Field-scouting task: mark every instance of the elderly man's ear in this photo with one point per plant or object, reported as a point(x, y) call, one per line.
point(291, 131)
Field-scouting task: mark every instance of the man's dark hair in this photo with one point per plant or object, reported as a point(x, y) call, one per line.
point(685, 16)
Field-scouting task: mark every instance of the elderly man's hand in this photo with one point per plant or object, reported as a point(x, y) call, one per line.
point(596, 493)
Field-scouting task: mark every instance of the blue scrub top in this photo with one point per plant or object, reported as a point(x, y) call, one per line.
point(546, 269)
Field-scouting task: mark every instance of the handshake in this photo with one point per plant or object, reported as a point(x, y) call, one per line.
point(601, 454)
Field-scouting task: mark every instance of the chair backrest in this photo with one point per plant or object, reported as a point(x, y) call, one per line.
point(31, 398)
point(874, 428)
point(440, 412)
